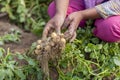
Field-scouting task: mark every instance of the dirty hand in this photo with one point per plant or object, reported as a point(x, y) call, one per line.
point(54, 23)
point(72, 22)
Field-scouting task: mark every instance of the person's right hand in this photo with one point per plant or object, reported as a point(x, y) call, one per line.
point(54, 23)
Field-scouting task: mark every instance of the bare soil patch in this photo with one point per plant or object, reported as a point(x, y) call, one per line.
point(26, 38)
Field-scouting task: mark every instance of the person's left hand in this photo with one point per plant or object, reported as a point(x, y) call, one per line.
point(72, 22)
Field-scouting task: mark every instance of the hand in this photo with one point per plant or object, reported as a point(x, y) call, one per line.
point(53, 24)
point(72, 22)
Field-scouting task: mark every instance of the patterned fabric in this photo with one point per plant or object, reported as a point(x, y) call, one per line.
point(105, 8)
point(109, 8)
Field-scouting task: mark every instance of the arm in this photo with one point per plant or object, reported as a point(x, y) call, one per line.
point(61, 7)
point(104, 10)
point(89, 14)
point(73, 20)
point(57, 21)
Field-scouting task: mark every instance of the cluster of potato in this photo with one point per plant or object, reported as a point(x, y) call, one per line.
point(49, 49)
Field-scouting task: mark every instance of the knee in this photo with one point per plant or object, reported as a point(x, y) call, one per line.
point(108, 29)
point(51, 9)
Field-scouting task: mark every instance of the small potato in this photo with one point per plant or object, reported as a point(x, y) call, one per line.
point(47, 48)
point(52, 43)
point(57, 39)
point(38, 47)
point(53, 35)
point(39, 41)
point(62, 35)
point(63, 40)
point(37, 51)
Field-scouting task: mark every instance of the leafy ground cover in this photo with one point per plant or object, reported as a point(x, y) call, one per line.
point(11, 69)
point(28, 14)
point(87, 58)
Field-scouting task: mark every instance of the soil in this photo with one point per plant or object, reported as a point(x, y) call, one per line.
point(26, 38)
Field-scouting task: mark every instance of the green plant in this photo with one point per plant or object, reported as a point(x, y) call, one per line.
point(88, 58)
point(13, 36)
point(12, 69)
point(29, 14)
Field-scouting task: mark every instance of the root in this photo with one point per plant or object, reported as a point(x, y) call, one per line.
point(49, 50)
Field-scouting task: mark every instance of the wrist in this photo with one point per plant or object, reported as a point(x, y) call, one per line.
point(62, 15)
point(90, 14)
point(81, 15)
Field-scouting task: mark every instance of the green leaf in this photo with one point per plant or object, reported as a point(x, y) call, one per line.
point(10, 57)
point(2, 51)
point(1, 42)
point(20, 56)
point(95, 40)
point(99, 46)
point(77, 51)
point(9, 73)
point(87, 49)
point(11, 66)
point(92, 55)
point(20, 74)
point(2, 74)
point(76, 78)
point(39, 75)
point(31, 62)
point(102, 58)
point(117, 61)
point(90, 47)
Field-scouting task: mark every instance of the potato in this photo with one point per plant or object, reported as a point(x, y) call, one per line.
point(39, 41)
point(62, 35)
point(52, 43)
point(38, 47)
point(63, 40)
point(37, 52)
point(49, 49)
point(53, 35)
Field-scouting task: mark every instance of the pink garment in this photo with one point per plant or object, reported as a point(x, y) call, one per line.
point(108, 29)
point(74, 5)
point(105, 29)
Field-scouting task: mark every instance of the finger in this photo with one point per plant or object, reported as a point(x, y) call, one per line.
point(64, 27)
point(71, 28)
point(57, 27)
point(51, 31)
point(73, 37)
point(67, 35)
point(67, 22)
point(46, 31)
point(58, 31)
point(70, 32)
